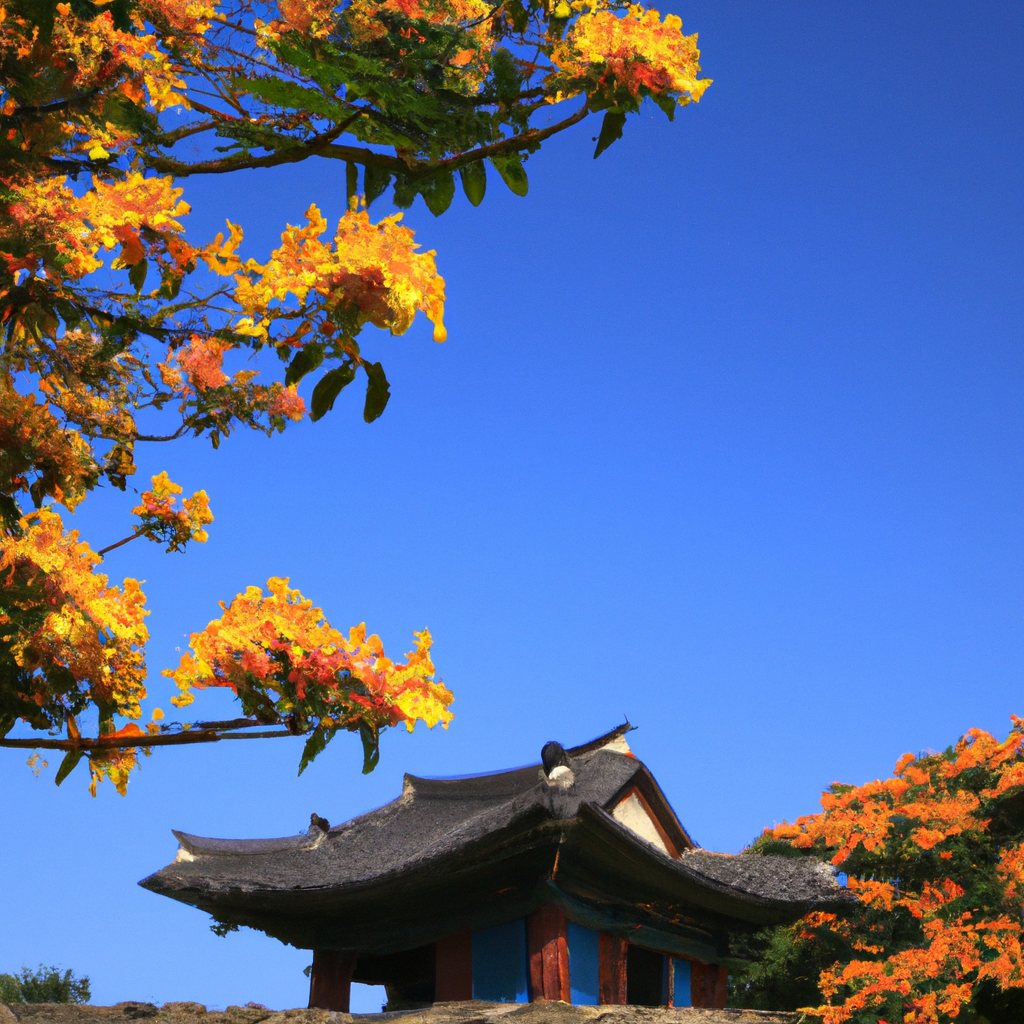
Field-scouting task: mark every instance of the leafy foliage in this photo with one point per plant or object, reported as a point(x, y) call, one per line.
point(44, 985)
point(935, 855)
point(405, 93)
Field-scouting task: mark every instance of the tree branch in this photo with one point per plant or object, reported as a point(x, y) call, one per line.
point(292, 155)
point(518, 142)
point(111, 547)
point(98, 743)
point(321, 146)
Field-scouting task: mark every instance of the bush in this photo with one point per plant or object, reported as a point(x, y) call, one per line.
point(45, 985)
point(10, 989)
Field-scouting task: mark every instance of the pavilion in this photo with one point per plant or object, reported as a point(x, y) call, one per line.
point(570, 880)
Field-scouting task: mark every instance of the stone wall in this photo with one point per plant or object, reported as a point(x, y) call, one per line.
point(439, 1013)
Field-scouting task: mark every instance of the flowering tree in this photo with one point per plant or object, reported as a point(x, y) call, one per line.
point(410, 95)
point(935, 855)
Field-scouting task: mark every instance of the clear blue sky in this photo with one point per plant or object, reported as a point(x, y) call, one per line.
point(726, 437)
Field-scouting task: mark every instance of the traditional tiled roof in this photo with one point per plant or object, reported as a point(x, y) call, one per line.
point(467, 852)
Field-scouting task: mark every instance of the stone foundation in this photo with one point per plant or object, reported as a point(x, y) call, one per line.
point(439, 1013)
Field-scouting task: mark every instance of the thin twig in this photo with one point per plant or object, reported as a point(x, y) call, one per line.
point(110, 547)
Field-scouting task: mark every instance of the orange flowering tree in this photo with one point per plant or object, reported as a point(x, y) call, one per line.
point(105, 107)
point(935, 856)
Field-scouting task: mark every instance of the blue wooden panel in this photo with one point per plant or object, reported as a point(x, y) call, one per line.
point(584, 966)
point(681, 970)
point(499, 963)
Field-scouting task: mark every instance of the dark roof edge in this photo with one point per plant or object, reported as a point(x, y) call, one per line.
point(601, 741)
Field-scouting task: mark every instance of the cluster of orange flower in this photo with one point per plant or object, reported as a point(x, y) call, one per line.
point(930, 847)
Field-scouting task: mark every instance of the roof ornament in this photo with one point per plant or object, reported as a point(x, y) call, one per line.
point(557, 771)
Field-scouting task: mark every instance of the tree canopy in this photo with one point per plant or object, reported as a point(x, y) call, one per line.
point(935, 854)
point(106, 106)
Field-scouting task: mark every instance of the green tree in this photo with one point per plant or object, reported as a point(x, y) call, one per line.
point(43, 985)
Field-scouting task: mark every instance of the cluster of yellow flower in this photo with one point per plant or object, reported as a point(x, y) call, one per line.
point(374, 268)
point(279, 653)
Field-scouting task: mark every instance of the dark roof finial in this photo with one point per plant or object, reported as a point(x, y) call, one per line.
point(553, 755)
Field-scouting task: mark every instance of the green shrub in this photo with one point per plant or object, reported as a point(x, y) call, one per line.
point(10, 989)
point(45, 985)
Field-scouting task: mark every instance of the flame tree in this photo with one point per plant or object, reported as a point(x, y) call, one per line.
point(416, 96)
point(935, 856)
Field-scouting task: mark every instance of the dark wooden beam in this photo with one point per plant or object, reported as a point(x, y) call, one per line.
point(612, 969)
point(454, 968)
point(330, 984)
point(548, 948)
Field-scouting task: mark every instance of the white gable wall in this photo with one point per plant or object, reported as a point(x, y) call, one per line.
point(632, 813)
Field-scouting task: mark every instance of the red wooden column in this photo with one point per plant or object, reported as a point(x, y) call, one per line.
point(708, 985)
point(721, 991)
point(548, 946)
point(612, 969)
point(454, 977)
point(698, 983)
point(331, 981)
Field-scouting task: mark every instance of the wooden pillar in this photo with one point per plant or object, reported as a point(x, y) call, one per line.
point(548, 947)
point(708, 985)
point(612, 969)
point(454, 977)
point(331, 981)
point(698, 983)
point(721, 993)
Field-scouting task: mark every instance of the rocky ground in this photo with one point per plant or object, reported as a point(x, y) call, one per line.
point(439, 1013)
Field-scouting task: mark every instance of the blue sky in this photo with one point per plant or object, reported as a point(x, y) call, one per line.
point(726, 438)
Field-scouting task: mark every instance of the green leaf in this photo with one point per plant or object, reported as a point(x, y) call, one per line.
point(518, 14)
point(318, 739)
point(474, 181)
point(378, 391)
point(438, 191)
point(120, 111)
point(351, 181)
point(327, 389)
point(667, 104)
point(375, 180)
point(370, 736)
point(306, 360)
point(292, 96)
point(611, 130)
point(328, 77)
point(10, 513)
point(137, 274)
point(171, 285)
point(405, 192)
point(68, 765)
point(511, 170)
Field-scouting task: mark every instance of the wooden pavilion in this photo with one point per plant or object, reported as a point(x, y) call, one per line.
point(570, 880)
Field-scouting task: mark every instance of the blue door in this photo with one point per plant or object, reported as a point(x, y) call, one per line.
point(499, 963)
point(584, 966)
